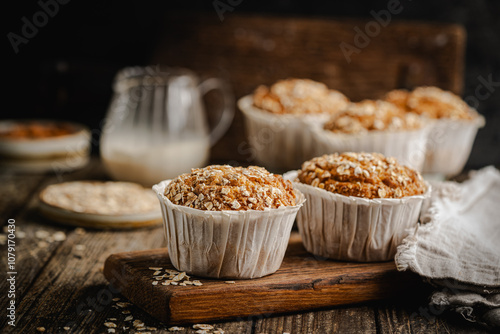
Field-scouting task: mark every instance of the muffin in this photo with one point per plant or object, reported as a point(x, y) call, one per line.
point(454, 128)
point(228, 222)
point(275, 116)
point(373, 126)
point(358, 205)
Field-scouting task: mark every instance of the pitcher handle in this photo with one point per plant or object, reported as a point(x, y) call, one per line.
point(228, 111)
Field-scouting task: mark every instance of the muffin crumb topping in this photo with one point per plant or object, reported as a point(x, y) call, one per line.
point(367, 175)
point(299, 96)
point(217, 188)
point(432, 102)
point(369, 115)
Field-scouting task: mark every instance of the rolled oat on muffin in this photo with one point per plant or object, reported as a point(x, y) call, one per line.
point(432, 102)
point(362, 175)
point(228, 222)
point(299, 97)
point(372, 115)
point(216, 188)
point(358, 205)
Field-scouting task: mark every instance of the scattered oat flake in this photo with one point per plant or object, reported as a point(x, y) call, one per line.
point(42, 244)
point(174, 283)
point(116, 299)
point(123, 304)
point(155, 268)
point(66, 328)
point(129, 318)
point(138, 323)
point(203, 326)
point(165, 283)
point(111, 330)
point(40, 329)
point(80, 230)
point(218, 331)
point(229, 282)
point(155, 283)
point(151, 328)
point(59, 236)
point(176, 329)
point(158, 272)
point(179, 277)
point(42, 234)
point(110, 324)
point(112, 319)
point(125, 312)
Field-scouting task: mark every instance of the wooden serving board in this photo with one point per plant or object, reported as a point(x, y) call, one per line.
point(302, 283)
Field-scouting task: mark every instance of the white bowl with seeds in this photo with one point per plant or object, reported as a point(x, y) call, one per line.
point(228, 222)
point(358, 205)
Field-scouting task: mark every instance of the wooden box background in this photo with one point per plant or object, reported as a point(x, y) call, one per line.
point(250, 50)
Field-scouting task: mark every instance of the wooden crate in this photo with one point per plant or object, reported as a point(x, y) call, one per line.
point(252, 50)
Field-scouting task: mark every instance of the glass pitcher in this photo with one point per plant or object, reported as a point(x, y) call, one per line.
point(156, 127)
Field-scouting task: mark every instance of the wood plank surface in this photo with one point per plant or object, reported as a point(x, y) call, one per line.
point(60, 285)
point(302, 283)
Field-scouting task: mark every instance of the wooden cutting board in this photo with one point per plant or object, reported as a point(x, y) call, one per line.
point(302, 283)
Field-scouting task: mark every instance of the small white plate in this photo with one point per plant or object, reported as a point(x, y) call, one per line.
point(96, 204)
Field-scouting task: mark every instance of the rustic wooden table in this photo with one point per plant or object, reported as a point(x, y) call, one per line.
point(60, 287)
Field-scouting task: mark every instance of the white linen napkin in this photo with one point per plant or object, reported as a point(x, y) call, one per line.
point(457, 246)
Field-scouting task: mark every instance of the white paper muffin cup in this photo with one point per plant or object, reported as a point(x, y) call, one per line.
point(226, 244)
point(408, 147)
point(352, 228)
point(449, 145)
point(279, 142)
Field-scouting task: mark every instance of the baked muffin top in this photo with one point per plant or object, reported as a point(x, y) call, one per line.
point(299, 97)
point(432, 102)
point(369, 115)
point(367, 175)
point(217, 188)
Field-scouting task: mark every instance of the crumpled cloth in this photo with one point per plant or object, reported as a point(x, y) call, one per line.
point(456, 247)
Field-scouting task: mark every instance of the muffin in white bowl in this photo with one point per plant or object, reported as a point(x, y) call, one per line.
point(373, 126)
point(454, 126)
point(275, 116)
point(359, 206)
point(228, 222)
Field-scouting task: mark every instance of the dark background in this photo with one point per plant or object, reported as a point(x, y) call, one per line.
point(66, 69)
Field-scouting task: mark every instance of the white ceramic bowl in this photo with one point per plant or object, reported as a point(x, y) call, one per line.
point(76, 143)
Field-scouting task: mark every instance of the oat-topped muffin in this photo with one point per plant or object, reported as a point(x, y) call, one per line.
point(298, 97)
point(454, 126)
point(216, 188)
point(228, 222)
point(369, 115)
point(367, 175)
point(432, 102)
